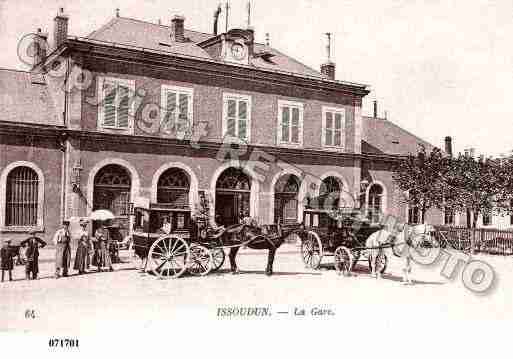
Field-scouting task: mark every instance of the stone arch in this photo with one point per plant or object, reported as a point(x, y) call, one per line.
point(193, 180)
point(40, 194)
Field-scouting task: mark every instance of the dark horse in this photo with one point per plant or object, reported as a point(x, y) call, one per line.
point(269, 237)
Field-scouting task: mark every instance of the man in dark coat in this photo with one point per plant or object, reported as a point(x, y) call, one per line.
point(7, 252)
point(62, 241)
point(33, 244)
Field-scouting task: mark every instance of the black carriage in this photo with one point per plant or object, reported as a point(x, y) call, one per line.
point(328, 231)
point(171, 242)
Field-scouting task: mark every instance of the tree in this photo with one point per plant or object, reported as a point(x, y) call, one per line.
point(479, 185)
point(420, 178)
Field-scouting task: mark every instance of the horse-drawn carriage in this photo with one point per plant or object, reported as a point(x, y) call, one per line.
point(340, 233)
point(172, 242)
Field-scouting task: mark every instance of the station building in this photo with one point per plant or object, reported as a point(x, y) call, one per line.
point(138, 113)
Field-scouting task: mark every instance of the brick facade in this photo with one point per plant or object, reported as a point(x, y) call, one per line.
point(145, 155)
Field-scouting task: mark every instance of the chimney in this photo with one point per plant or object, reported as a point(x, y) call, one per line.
point(216, 18)
point(328, 68)
point(448, 146)
point(177, 28)
point(375, 103)
point(60, 28)
point(40, 47)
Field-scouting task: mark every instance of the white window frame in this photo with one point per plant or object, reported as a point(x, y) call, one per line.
point(131, 103)
point(179, 90)
point(238, 97)
point(291, 104)
point(334, 110)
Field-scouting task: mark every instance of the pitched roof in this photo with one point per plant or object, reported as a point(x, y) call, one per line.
point(139, 33)
point(25, 98)
point(381, 136)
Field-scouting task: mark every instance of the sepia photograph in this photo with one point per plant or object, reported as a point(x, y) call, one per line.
point(244, 178)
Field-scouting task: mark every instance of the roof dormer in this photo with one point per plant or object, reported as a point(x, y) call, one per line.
point(236, 45)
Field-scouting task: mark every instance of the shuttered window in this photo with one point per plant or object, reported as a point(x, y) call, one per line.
point(115, 110)
point(22, 197)
point(177, 103)
point(333, 127)
point(290, 123)
point(237, 116)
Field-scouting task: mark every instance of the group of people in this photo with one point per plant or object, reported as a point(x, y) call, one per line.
point(90, 252)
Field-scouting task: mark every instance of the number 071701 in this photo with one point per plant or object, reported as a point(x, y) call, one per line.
point(62, 343)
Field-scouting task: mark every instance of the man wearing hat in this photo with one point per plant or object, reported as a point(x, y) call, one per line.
point(33, 243)
point(7, 253)
point(62, 239)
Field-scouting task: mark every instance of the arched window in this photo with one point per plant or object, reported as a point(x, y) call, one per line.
point(286, 192)
point(329, 193)
point(112, 186)
point(173, 188)
point(375, 202)
point(22, 195)
point(233, 188)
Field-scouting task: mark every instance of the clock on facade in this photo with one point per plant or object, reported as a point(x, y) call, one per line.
point(238, 51)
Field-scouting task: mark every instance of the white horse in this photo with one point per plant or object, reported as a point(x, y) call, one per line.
point(401, 242)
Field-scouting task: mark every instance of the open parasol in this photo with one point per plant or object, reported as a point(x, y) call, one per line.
point(101, 215)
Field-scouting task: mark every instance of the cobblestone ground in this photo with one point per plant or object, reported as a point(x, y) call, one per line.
point(127, 298)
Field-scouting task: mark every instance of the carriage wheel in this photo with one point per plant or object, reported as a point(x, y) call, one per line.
point(343, 260)
point(311, 250)
point(381, 262)
point(218, 256)
point(201, 260)
point(168, 257)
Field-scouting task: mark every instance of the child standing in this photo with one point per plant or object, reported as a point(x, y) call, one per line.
point(6, 254)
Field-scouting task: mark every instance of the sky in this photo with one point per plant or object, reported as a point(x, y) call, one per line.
point(438, 68)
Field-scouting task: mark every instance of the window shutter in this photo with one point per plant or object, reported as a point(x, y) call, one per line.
point(231, 120)
point(109, 104)
point(329, 129)
point(169, 120)
point(285, 118)
point(123, 106)
point(243, 116)
point(338, 130)
point(183, 111)
point(295, 125)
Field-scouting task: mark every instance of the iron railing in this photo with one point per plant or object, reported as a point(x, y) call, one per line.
point(477, 240)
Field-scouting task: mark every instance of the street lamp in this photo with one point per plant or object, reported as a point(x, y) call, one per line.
point(75, 177)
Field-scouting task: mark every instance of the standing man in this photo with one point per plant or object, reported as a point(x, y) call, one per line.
point(62, 241)
point(81, 258)
point(33, 244)
point(6, 254)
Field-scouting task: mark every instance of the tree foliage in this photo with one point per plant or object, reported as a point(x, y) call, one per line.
point(480, 185)
point(419, 177)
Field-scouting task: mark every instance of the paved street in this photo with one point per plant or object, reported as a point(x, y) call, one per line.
point(127, 298)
